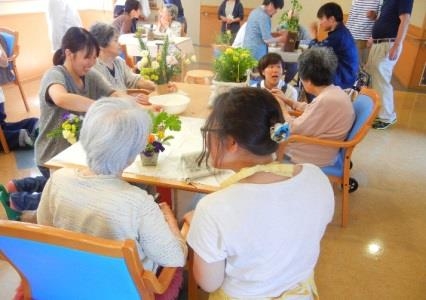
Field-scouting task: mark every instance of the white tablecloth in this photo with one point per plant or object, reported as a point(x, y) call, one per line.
point(133, 49)
point(169, 166)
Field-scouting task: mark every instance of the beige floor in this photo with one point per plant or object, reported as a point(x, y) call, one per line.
point(382, 252)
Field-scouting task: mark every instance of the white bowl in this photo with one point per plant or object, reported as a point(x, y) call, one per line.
point(173, 103)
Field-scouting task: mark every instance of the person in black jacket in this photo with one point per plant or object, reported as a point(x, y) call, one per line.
point(231, 13)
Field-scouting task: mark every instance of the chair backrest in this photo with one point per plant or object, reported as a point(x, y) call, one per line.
point(11, 38)
point(366, 106)
point(61, 264)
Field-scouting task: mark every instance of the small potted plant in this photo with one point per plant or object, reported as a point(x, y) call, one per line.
point(232, 68)
point(161, 123)
point(290, 21)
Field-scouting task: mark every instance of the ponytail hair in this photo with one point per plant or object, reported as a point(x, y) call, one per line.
point(76, 39)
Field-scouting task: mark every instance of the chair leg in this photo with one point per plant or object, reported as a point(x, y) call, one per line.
point(345, 204)
point(3, 141)
point(21, 90)
point(192, 284)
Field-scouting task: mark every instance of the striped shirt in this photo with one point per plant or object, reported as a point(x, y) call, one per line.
point(358, 23)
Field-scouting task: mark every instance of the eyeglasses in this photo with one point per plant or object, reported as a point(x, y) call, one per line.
point(204, 129)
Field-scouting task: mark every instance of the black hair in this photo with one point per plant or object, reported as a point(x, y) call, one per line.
point(278, 4)
point(267, 60)
point(103, 33)
point(130, 5)
point(246, 114)
point(76, 39)
point(331, 9)
point(318, 65)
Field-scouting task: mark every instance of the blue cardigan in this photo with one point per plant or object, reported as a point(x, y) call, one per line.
point(343, 45)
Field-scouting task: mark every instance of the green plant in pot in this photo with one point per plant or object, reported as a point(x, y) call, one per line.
point(289, 21)
point(232, 69)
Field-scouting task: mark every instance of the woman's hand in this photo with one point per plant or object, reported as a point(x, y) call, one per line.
point(142, 99)
point(172, 87)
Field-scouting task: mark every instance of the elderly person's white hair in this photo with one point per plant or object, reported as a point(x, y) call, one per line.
point(114, 132)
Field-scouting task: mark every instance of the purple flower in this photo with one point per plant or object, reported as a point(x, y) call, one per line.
point(152, 148)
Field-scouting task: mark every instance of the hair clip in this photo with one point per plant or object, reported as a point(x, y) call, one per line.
point(280, 132)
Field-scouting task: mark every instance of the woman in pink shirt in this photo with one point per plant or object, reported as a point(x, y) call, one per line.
point(330, 115)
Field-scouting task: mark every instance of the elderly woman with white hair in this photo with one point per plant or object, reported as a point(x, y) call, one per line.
point(95, 199)
point(167, 22)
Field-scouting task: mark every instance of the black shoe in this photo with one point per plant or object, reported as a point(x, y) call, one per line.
point(381, 125)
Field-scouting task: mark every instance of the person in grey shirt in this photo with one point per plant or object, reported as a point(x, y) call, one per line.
point(112, 67)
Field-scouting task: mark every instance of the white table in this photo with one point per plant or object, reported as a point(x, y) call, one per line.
point(169, 171)
point(184, 44)
point(288, 57)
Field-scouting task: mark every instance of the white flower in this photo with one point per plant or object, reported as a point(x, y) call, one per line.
point(171, 60)
point(193, 58)
point(155, 65)
point(187, 61)
point(144, 53)
point(143, 61)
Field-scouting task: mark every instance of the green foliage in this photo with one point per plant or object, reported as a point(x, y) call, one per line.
point(162, 68)
point(232, 65)
point(224, 38)
point(166, 121)
point(290, 18)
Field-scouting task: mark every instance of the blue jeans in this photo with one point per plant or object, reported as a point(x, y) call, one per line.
point(29, 190)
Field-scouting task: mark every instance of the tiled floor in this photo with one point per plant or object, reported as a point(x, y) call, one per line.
point(382, 252)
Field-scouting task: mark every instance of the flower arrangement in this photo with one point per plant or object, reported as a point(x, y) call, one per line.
point(164, 66)
point(224, 38)
point(232, 65)
point(290, 18)
point(69, 128)
point(157, 139)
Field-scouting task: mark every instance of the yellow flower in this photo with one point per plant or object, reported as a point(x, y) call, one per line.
point(229, 51)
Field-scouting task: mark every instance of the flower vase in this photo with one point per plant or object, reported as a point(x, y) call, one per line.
point(149, 160)
point(162, 89)
point(290, 45)
point(220, 87)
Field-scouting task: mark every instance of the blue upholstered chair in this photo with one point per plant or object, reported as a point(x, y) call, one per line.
point(59, 264)
point(11, 39)
point(366, 106)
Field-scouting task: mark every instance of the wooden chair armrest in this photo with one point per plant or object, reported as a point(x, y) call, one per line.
point(159, 284)
point(184, 230)
point(318, 141)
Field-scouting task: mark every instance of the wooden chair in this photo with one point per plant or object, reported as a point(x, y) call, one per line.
point(366, 106)
point(55, 263)
point(12, 41)
point(3, 141)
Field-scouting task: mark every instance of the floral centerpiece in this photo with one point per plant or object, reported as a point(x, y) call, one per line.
point(69, 128)
point(167, 63)
point(232, 65)
point(161, 122)
point(224, 38)
point(289, 21)
point(232, 68)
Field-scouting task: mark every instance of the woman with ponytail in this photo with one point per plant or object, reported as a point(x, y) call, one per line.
point(70, 86)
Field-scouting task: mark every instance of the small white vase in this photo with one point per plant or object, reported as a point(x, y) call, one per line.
point(220, 87)
point(149, 160)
